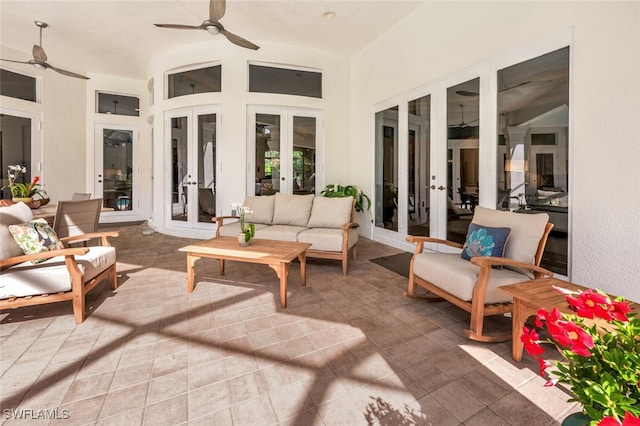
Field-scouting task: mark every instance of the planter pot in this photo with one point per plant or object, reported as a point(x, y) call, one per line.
point(576, 419)
point(241, 240)
point(25, 200)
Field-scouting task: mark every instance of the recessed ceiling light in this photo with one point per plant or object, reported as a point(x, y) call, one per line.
point(329, 14)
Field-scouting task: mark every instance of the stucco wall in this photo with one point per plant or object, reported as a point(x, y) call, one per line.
point(441, 38)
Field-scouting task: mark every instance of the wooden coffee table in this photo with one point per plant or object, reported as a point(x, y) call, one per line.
point(278, 255)
point(529, 296)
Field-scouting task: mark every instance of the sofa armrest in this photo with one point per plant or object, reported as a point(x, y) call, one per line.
point(419, 241)
point(104, 237)
point(220, 221)
point(69, 252)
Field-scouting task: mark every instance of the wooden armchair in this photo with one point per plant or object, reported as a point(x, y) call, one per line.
point(65, 274)
point(473, 284)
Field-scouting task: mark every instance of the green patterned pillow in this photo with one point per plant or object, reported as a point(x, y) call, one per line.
point(35, 236)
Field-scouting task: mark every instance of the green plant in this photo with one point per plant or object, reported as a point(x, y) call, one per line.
point(23, 190)
point(600, 344)
point(339, 191)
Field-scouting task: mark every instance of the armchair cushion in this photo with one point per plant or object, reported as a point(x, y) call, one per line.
point(35, 236)
point(526, 231)
point(330, 212)
point(458, 276)
point(485, 241)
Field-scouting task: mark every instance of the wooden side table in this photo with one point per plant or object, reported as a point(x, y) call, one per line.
point(528, 297)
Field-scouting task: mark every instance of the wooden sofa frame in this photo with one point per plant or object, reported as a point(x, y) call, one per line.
point(476, 306)
point(79, 288)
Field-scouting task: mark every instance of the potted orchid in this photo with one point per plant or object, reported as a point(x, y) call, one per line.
point(23, 191)
point(600, 344)
point(247, 230)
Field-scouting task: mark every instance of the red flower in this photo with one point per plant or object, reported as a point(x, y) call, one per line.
point(588, 303)
point(581, 341)
point(619, 310)
point(36, 179)
point(628, 420)
point(530, 339)
point(543, 364)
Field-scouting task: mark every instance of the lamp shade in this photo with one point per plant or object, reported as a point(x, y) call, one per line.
point(516, 165)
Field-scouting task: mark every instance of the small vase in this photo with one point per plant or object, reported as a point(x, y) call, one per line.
point(241, 240)
point(25, 200)
point(576, 419)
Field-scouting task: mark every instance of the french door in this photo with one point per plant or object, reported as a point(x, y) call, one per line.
point(116, 179)
point(191, 162)
point(283, 151)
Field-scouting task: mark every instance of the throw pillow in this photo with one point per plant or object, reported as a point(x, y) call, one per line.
point(35, 236)
point(485, 241)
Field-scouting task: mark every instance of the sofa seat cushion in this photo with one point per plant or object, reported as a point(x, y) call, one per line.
point(330, 212)
point(233, 229)
point(52, 276)
point(261, 209)
point(291, 209)
point(12, 215)
point(327, 239)
point(280, 233)
point(458, 276)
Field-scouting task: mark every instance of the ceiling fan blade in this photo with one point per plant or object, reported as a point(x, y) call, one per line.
point(67, 73)
point(217, 9)
point(466, 93)
point(17, 62)
point(38, 54)
point(180, 27)
point(239, 40)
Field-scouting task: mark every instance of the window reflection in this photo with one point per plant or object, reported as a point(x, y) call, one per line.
point(418, 160)
point(387, 169)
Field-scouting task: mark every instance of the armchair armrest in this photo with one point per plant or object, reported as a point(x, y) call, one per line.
point(69, 252)
point(350, 225)
point(420, 240)
point(488, 262)
point(104, 235)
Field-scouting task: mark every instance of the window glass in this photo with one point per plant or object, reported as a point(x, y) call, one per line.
point(109, 103)
point(17, 86)
point(202, 80)
point(386, 215)
point(265, 79)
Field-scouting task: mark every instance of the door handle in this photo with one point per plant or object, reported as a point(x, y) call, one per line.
point(441, 188)
point(432, 187)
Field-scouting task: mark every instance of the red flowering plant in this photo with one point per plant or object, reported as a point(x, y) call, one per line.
point(600, 344)
point(23, 190)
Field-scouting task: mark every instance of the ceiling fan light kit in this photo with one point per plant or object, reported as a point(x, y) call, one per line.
point(213, 26)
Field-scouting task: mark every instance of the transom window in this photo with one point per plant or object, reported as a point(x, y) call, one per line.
point(201, 80)
point(17, 86)
point(266, 79)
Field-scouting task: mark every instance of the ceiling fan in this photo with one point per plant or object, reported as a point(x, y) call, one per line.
point(467, 93)
point(213, 26)
point(462, 123)
point(40, 58)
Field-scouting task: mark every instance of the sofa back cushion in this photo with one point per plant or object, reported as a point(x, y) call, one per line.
point(330, 212)
point(262, 208)
point(12, 215)
point(526, 230)
point(292, 209)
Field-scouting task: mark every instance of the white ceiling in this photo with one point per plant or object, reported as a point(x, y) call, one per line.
point(119, 38)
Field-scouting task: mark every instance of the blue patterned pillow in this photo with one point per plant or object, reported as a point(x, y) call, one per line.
point(485, 241)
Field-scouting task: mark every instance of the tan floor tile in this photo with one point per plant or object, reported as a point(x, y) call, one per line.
point(171, 411)
point(247, 386)
point(208, 399)
point(125, 399)
point(128, 418)
point(254, 411)
point(85, 387)
point(167, 386)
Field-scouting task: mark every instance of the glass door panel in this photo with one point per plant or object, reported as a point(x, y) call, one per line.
point(117, 169)
point(386, 158)
point(179, 180)
point(15, 149)
point(304, 155)
point(206, 158)
point(418, 158)
point(463, 105)
point(267, 154)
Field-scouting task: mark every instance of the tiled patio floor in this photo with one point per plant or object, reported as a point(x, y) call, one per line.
point(347, 351)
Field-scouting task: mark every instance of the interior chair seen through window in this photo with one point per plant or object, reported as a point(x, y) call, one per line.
point(501, 248)
point(80, 196)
